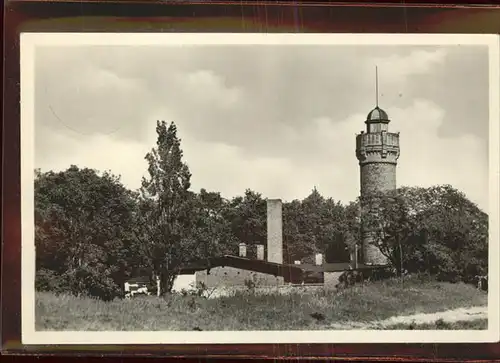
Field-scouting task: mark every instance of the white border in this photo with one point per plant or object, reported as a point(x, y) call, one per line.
point(28, 43)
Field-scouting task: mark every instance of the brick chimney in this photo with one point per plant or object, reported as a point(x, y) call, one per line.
point(260, 252)
point(274, 231)
point(243, 250)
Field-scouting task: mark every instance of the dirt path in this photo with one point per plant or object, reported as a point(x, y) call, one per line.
point(449, 316)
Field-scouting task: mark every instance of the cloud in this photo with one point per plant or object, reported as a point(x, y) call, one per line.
point(426, 159)
point(396, 67)
point(429, 159)
point(205, 88)
point(279, 120)
point(100, 152)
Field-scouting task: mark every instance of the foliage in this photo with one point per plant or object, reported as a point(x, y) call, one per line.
point(350, 278)
point(247, 217)
point(213, 230)
point(317, 225)
point(387, 219)
point(250, 284)
point(165, 223)
point(82, 234)
point(435, 230)
point(199, 290)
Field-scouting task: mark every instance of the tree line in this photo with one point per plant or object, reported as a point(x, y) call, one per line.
point(92, 233)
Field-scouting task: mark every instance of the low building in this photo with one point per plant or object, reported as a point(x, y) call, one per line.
point(233, 271)
point(237, 271)
point(268, 269)
point(240, 271)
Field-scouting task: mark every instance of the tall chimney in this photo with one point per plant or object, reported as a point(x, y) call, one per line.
point(243, 250)
point(319, 259)
point(260, 252)
point(274, 231)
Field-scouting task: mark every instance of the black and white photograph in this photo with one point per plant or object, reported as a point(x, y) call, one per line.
point(259, 188)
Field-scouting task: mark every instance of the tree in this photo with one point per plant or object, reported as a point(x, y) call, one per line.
point(435, 230)
point(312, 222)
point(387, 218)
point(213, 230)
point(335, 235)
point(165, 221)
point(247, 216)
point(345, 229)
point(315, 225)
point(296, 245)
point(82, 232)
point(456, 235)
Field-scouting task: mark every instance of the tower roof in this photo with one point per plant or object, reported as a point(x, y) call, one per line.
point(377, 115)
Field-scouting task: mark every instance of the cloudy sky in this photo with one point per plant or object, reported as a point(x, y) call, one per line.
point(277, 119)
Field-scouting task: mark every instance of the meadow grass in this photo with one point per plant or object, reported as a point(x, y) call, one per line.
point(247, 311)
point(478, 324)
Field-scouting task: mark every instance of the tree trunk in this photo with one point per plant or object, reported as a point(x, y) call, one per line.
point(401, 261)
point(166, 282)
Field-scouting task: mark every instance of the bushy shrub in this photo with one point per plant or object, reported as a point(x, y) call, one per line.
point(250, 284)
point(81, 282)
point(197, 290)
point(86, 281)
point(352, 277)
point(48, 280)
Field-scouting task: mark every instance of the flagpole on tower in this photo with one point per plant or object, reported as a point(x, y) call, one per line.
point(376, 85)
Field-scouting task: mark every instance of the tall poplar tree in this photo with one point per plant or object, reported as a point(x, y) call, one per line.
point(165, 218)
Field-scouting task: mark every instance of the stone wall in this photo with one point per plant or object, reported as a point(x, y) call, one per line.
point(332, 279)
point(377, 177)
point(371, 253)
point(231, 276)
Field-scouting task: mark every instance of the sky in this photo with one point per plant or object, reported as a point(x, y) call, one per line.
point(278, 119)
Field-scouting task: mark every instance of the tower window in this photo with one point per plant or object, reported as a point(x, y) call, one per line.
point(378, 127)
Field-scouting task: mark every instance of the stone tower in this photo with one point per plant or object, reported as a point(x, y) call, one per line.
point(377, 150)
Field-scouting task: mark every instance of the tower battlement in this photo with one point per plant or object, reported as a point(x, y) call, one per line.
point(378, 147)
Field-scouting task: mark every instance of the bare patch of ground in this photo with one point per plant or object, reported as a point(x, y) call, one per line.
point(448, 316)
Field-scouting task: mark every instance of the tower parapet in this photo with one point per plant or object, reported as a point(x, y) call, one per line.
point(377, 147)
point(377, 151)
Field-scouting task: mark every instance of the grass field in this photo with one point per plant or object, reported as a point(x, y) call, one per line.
point(479, 324)
point(246, 311)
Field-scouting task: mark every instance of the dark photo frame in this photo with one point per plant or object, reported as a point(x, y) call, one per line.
point(207, 17)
